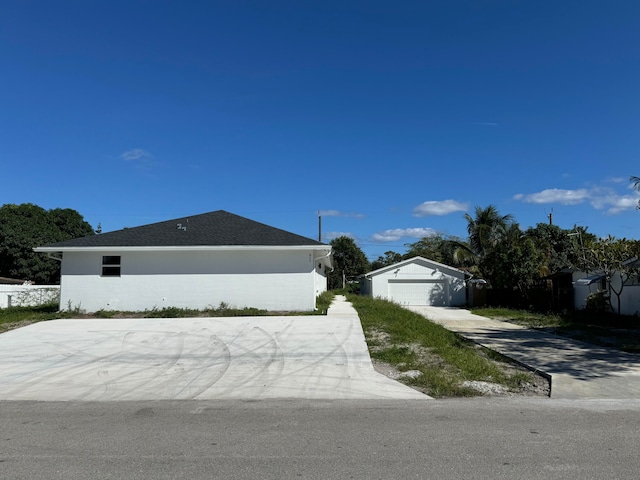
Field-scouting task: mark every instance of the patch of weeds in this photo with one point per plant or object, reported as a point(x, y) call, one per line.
point(73, 309)
point(518, 379)
point(246, 312)
point(440, 383)
point(521, 317)
point(323, 301)
point(397, 355)
point(171, 312)
point(18, 316)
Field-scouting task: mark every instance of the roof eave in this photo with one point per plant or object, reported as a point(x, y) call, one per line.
point(411, 260)
point(183, 248)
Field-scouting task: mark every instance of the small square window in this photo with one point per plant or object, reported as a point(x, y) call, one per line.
point(111, 260)
point(111, 266)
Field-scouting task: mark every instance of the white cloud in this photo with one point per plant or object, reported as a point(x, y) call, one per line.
point(600, 198)
point(620, 204)
point(618, 179)
point(396, 234)
point(444, 207)
point(612, 202)
point(555, 195)
point(136, 155)
point(338, 213)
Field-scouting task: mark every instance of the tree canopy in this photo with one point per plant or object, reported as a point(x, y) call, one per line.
point(390, 257)
point(439, 248)
point(25, 226)
point(349, 261)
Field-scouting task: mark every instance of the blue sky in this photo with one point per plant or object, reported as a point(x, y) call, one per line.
point(391, 118)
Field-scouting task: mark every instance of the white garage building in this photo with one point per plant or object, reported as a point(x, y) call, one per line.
point(417, 281)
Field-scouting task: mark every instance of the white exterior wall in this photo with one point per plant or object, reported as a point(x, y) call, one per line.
point(271, 280)
point(454, 293)
point(629, 298)
point(320, 279)
point(581, 292)
point(27, 295)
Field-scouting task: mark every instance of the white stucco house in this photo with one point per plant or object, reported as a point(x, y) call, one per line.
point(417, 281)
point(192, 262)
point(628, 301)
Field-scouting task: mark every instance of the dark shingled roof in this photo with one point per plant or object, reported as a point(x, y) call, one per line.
point(217, 228)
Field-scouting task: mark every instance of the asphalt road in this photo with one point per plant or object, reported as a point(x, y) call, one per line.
point(321, 439)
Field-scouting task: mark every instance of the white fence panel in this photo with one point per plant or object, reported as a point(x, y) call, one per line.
point(28, 295)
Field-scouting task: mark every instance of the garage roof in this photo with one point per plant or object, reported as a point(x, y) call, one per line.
point(432, 263)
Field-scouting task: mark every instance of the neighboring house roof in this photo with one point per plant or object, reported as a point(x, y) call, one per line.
point(590, 279)
point(219, 228)
point(414, 260)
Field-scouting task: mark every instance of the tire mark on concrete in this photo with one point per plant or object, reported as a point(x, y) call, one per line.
point(158, 369)
point(261, 363)
point(200, 368)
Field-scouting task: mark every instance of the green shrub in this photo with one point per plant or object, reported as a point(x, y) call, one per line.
point(323, 301)
point(598, 302)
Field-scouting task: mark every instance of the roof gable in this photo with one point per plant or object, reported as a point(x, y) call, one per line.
point(416, 259)
point(219, 228)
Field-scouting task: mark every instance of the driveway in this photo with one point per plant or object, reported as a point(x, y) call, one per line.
point(577, 369)
point(313, 357)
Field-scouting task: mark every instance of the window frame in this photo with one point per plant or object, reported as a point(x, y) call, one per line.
point(111, 266)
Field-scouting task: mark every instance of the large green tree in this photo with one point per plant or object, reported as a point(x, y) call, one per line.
point(513, 263)
point(559, 248)
point(440, 248)
point(349, 261)
point(25, 226)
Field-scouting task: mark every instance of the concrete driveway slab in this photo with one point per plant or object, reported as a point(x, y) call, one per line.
point(313, 357)
point(577, 369)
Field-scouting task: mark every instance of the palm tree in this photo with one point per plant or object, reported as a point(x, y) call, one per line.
point(486, 229)
point(636, 187)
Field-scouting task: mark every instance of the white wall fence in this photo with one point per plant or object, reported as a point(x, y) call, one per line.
point(28, 295)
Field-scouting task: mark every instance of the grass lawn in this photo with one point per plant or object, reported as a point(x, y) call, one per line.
point(446, 360)
point(18, 316)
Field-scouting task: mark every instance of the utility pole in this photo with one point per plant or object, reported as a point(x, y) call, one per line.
point(319, 226)
point(550, 218)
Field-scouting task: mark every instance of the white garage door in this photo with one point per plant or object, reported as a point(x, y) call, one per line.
point(419, 292)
